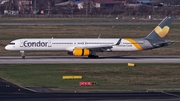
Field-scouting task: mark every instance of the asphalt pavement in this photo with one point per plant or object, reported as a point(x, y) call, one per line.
point(81, 60)
point(13, 92)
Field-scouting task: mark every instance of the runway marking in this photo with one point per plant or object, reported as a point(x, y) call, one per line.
point(171, 94)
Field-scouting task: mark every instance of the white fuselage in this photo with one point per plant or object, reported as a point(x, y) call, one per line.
point(68, 44)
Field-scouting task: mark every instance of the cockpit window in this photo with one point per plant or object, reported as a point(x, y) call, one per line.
point(11, 43)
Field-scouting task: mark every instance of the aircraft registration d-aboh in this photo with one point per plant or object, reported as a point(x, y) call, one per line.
point(89, 46)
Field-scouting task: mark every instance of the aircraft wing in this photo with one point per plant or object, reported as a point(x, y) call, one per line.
point(97, 47)
point(102, 46)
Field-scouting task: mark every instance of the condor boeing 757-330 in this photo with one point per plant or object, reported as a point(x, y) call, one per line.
point(89, 46)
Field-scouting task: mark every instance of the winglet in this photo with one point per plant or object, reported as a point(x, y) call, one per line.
point(119, 41)
point(99, 35)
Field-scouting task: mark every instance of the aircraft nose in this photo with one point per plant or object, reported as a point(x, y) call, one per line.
point(7, 47)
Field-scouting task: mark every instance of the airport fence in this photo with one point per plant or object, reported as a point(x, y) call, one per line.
point(133, 17)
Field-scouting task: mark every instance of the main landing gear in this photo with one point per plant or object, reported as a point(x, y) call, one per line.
point(22, 54)
point(93, 56)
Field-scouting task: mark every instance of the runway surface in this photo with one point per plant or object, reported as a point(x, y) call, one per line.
point(81, 60)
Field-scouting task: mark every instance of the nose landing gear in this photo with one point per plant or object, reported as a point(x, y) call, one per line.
point(22, 54)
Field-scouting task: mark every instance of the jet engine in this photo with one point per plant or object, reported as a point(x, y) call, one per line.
point(80, 52)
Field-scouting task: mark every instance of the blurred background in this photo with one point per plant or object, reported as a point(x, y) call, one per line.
point(90, 8)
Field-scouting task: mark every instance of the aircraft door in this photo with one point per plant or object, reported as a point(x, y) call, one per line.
point(21, 43)
point(49, 43)
point(146, 43)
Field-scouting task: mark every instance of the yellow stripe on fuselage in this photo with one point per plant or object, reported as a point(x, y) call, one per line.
point(134, 43)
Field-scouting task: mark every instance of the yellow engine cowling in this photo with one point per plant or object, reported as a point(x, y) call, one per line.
point(81, 52)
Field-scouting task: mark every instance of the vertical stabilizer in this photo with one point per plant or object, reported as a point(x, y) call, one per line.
point(161, 30)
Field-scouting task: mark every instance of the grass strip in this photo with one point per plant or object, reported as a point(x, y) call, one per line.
point(108, 76)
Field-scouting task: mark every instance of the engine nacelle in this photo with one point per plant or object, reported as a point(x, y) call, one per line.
point(80, 52)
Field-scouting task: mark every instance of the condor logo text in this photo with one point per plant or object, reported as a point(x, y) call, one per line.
point(35, 44)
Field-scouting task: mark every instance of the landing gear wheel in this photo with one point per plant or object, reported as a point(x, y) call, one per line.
point(23, 57)
point(93, 56)
point(22, 54)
